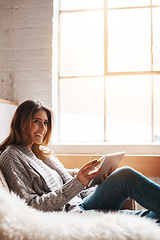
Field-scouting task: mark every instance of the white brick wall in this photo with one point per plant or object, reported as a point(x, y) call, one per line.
point(26, 50)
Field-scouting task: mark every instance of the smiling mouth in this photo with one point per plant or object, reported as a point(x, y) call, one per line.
point(38, 134)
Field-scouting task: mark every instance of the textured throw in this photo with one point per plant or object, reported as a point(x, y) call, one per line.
point(20, 222)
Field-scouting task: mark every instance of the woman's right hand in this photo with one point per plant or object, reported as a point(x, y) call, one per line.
point(88, 172)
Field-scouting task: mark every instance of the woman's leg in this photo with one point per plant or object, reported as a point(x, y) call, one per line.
point(143, 213)
point(124, 182)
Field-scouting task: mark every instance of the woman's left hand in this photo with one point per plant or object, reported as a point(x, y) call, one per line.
point(105, 175)
point(103, 178)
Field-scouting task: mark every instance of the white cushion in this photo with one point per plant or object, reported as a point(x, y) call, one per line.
point(19, 221)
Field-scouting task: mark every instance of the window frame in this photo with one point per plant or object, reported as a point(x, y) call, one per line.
point(95, 148)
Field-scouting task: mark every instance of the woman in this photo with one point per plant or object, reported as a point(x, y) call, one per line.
point(34, 173)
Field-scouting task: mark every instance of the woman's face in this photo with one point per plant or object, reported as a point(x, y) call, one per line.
point(39, 127)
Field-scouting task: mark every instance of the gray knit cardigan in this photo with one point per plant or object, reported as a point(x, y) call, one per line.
point(26, 182)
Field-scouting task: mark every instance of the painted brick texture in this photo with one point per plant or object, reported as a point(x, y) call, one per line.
point(26, 50)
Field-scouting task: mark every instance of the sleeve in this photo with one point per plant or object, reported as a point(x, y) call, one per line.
point(54, 162)
point(21, 182)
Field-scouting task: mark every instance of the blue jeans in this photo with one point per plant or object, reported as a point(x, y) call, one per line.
point(121, 184)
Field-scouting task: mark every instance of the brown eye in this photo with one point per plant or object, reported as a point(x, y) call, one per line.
point(36, 121)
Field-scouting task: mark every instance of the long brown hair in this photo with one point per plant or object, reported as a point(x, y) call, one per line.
point(20, 125)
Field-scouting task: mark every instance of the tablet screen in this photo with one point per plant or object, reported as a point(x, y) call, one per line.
point(109, 164)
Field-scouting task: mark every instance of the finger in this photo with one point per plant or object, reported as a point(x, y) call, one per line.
point(110, 171)
point(105, 175)
point(90, 164)
point(102, 180)
point(94, 173)
point(93, 162)
point(101, 158)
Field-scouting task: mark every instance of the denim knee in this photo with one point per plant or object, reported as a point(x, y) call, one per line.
point(125, 171)
point(124, 174)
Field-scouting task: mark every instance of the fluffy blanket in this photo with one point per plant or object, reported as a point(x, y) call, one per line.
point(20, 222)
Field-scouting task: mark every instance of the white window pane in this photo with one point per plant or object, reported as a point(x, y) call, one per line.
point(155, 2)
point(156, 84)
point(81, 44)
point(128, 108)
point(81, 109)
point(156, 39)
point(127, 3)
point(129, 44)
point(80, 4)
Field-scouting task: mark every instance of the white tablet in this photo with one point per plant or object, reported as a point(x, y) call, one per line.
point(110, 161)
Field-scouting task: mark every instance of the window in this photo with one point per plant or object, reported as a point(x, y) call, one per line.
point(106, 85)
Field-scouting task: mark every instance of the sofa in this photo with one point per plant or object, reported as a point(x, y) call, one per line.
point(18, 221)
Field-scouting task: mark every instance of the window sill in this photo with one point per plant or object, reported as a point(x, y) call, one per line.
point(103, 148)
